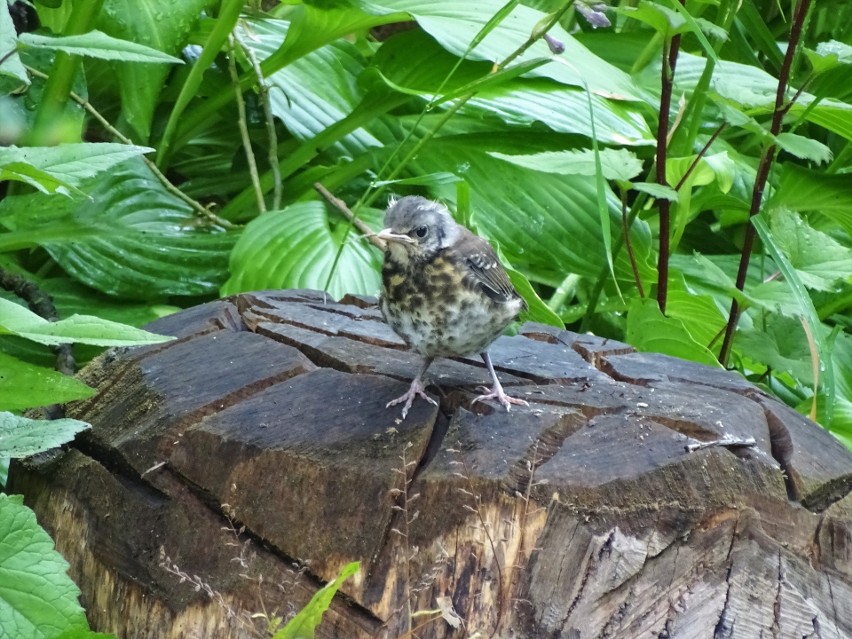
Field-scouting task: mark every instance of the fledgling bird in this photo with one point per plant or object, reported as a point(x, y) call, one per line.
point(444, 291)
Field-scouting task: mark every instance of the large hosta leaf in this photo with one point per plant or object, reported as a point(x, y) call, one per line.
point(547, 225)
point(803, 190)
point(820, 261)
point(62, 168)
point(649, 330)
point(455, 24)
point(162, 24)
point(315, 91)
point(133, 238)
point(516, 101)
point(754, 89)
point(295, 248)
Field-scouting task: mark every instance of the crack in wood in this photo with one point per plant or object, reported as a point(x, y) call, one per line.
point(776, 607)
point(724, 629)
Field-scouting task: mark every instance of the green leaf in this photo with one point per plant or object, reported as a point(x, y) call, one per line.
point(820, 261)
point(96, 44)
point(36, 178)
point(133, 239)
point(84, 329)
point(315, 91)
point(162, 24)
point(660, 18)
point(22, 437)
point(781, 344)
point(229, 13)
point(432, 179)
point(746, 85)
point(295, 248)
point(66, 165)
point(804, 148)
point(804, 190)
point(699, 314)
point(314, 26)
point(656, 190)
point(617, 164)
point(565, 110)
point(841, 417)
point(70, 297)
point(455, 25)
point(12, 66)
point(829, 55)
point(650, 331)
point(38, 598)
point(24, 385)
point(311, 27)
point(303, 625)
point(808, 312)
point(518, 101)
point(538, 311)
point(546, 224)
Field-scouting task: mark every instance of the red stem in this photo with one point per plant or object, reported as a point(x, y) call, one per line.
point(766, 160)
point(666, 81)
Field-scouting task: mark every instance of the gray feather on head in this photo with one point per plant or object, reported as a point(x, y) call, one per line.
point(426, 221)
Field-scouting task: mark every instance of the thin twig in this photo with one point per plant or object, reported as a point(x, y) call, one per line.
point(242, 124)
point(340, 205)
point(762, 176)
point(171, 188)
point(625, 227)
point(700, 155)
point(263, 93)
point(7, 55)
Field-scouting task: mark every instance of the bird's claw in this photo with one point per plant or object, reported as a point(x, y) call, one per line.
point(415, 390)
point(498, 394)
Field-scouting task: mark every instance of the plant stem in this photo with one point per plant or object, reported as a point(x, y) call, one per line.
point(118, 135)
point(242, 124)
point(670, 53)
point(57, 88)
point(625, 229)
point(700, 155)
point(340, 205)
point(263, 93)
point(763, 168)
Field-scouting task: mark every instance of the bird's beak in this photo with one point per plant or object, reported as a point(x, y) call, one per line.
point(389, 236)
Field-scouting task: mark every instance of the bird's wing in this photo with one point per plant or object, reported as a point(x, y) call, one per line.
point(482, 262)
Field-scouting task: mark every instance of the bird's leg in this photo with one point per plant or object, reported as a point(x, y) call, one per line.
point(496, 391)
point(416, 388)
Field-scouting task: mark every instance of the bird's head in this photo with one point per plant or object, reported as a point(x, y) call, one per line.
point(417, 228)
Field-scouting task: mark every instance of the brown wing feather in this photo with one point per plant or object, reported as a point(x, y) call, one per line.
point(483, 263)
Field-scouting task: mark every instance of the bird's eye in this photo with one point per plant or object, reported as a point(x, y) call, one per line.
point(421, 231)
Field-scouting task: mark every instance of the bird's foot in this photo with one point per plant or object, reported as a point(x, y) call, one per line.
point(416, 389)
point(497, 393)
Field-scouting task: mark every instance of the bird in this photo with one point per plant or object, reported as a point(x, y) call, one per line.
point(444, 292)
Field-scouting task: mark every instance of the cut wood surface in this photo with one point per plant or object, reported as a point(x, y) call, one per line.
point(234, 471)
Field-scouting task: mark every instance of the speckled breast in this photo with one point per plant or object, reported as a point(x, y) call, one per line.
point(440, 312)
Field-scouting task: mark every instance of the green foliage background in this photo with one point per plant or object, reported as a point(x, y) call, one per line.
point(157, 154)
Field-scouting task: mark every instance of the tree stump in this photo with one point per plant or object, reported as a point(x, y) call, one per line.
point(238, 468)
